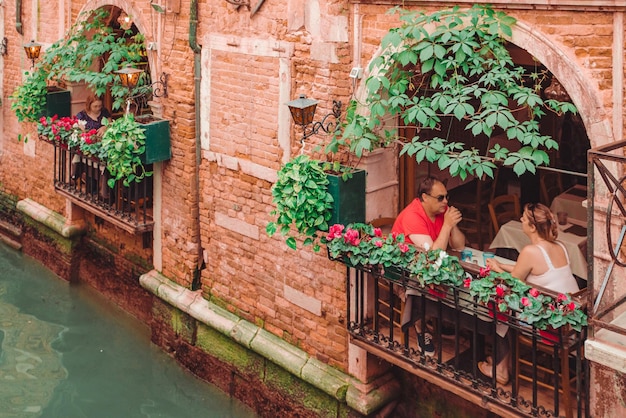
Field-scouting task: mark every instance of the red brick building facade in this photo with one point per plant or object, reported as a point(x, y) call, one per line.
point(231, 70)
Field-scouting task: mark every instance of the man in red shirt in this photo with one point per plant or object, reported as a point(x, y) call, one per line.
point(429, 223)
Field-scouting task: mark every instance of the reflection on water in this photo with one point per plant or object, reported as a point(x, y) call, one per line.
point(66, 352)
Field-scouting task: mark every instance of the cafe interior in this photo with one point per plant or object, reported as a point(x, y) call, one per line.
point(491, 209)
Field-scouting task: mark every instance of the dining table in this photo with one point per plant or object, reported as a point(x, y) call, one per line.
point(573, 235)
point(572, 201)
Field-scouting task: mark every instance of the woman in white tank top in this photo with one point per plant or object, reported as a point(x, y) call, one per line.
point(544, 263)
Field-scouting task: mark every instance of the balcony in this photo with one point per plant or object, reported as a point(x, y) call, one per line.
point(376, 304)
point(82, 180)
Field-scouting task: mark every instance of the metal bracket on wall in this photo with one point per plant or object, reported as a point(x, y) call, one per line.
point(18, 17)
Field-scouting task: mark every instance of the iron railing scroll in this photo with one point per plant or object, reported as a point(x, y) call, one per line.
point(607, 192)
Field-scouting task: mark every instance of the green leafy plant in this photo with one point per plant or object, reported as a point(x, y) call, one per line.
point(544, 311)
point(511, 295)
point(302, 201)
point(362, 244)
point(91, 145)
point(501, 288)
point(436, 268)
point(123, 143)
point(90, 53)
point(452, 65)
point(28, 100)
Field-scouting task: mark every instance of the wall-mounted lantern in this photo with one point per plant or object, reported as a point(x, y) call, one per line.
point(303, 111)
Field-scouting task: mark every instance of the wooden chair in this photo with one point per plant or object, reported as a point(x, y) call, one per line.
point(503, 209)
point(385, 224)
point(472, 199)
point(550, 186)
point(548, 374)
point(554, 374)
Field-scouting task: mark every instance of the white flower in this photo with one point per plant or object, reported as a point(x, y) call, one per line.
point(426, 246)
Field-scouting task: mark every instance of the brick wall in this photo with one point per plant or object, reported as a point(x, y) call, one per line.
point(296, 295)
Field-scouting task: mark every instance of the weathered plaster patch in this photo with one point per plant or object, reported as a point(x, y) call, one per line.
point(303, 301)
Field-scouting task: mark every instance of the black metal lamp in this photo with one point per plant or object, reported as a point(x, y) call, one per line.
point(33, 49)
point(303, 111)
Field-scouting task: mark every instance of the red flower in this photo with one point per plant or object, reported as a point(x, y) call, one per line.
point(467, 282)
point(394, 235)
point(500, 291)
point(333, 232)
point(378, 232)
point(571, 306)
point(484, 271)
point(403, 247)
point(352, 237)
point(525, 301)
point(561, 297)
point(533, 292)
point(378, 243)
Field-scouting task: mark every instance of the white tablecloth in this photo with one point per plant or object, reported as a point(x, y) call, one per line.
point(512, 236)
point(571, 201)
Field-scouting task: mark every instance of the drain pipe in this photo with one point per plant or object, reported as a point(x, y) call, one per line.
point(197, 76)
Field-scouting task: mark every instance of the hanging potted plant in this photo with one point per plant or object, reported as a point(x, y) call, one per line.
point(122, 146)
point(310, 194)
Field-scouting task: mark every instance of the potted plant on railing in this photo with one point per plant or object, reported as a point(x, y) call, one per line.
point(437, 270)
point(510, 296)
point(63, 131)
point(362, 245)
point(310, 194)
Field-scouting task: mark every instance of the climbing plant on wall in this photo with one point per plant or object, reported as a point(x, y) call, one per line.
point(452, 64)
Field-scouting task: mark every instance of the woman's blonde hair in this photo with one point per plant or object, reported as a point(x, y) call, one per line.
point(543, 219)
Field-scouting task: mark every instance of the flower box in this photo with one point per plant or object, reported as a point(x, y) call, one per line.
point(349, 198)
point(158, 146)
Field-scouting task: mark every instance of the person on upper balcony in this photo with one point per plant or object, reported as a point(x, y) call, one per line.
point(92, 117)
point(428, 222)
point(93, 114)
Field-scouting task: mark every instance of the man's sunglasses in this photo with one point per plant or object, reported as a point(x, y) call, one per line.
point(440, 197)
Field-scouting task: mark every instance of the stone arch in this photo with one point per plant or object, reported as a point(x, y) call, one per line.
point(138, 20)
point(580, 87)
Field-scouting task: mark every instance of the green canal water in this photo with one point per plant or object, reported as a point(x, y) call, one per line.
point(65, 352)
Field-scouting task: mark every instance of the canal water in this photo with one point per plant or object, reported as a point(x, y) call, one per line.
point(65, 352)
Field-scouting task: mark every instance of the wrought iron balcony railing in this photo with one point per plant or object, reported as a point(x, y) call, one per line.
point(548, 373)
point(83, 180)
